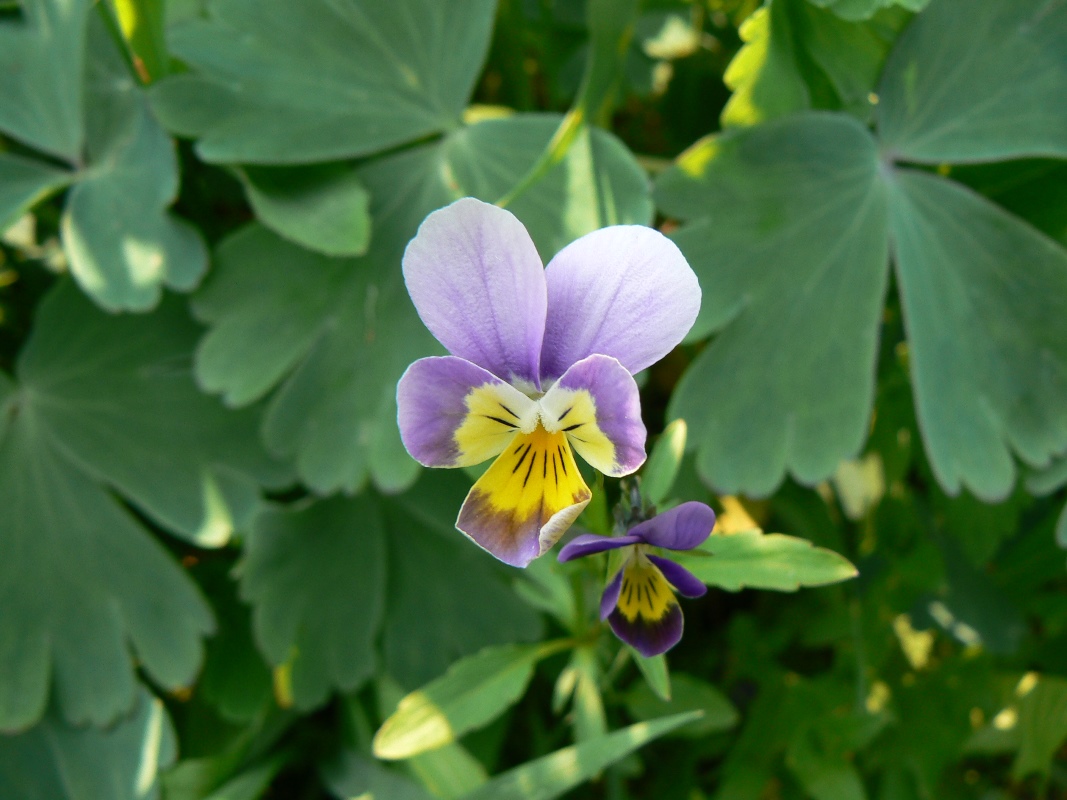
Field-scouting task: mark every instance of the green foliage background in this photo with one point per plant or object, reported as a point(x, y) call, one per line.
point(220, 572)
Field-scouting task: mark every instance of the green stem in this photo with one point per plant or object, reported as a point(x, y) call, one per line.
point(611, 26)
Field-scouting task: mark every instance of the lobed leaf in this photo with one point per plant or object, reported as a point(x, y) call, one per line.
point(315, 575)
point(446, 599)
point(24, 182)
point(965, 264)
point(788, 383)
point(41, 64)
point(865, 9)
point(93, 411)
point(989, 90)
point(289, 83)
point(323, 208)
point(53, 761)
point(121, 242)
point(764, 76)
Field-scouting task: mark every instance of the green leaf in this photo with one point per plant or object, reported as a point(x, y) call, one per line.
point(597, 184)
point(250, 784)
point(24, 182)
point(765, 561)
point(797, 56)
point(55, 762)
point(109, 587)
point(97, 409)
point(960, 261)
point(235, 679)
point(110, 391)
point(764, 77)
point(474, 692)
point(1047, 481)
point(286, 83)
point(448, 772)
point(988, 90)
point(315, 576)
point(761, 205)
point(446, 597)
point(323, 208)
point(664, 462)
point(142, 23)
point(864, 9)
point(823, 776)
point(122, 243)
point(1033, 725)
point(1035, 190)
point(972, 607)
point(850, 54)
point(352, 775)
point(545, 587)
point(553, 775)
point(611, 27)
point(1042, 724)
point(41, 62)
point(655, 672)
point(590, 719)
point(338, 333)
point(1050, 479)
point(689, 694)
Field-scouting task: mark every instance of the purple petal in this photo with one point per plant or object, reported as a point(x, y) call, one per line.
point(648, 637)
point(478, 284)
point(625, 291)
point(610, 598)
point(453, 413)
point(646, 613)
point(589, 543)
point(682, 528)
point(598, 405)
point(687, 584)
point(526, 500)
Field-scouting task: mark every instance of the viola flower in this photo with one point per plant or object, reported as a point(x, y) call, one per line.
point(542, 362)
point(639, 601)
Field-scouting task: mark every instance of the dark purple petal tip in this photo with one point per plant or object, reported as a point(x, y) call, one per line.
point(647, 637)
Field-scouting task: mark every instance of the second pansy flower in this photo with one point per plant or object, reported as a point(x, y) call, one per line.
point(542, 362)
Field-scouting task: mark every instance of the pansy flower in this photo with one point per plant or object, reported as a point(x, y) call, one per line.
point(542, 362)
point(639, 601)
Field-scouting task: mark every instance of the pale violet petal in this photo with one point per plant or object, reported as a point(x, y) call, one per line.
point(478, 284)
point(453, 413)
point(624, 291)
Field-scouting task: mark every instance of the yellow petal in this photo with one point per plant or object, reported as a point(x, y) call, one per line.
point(527, 499)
